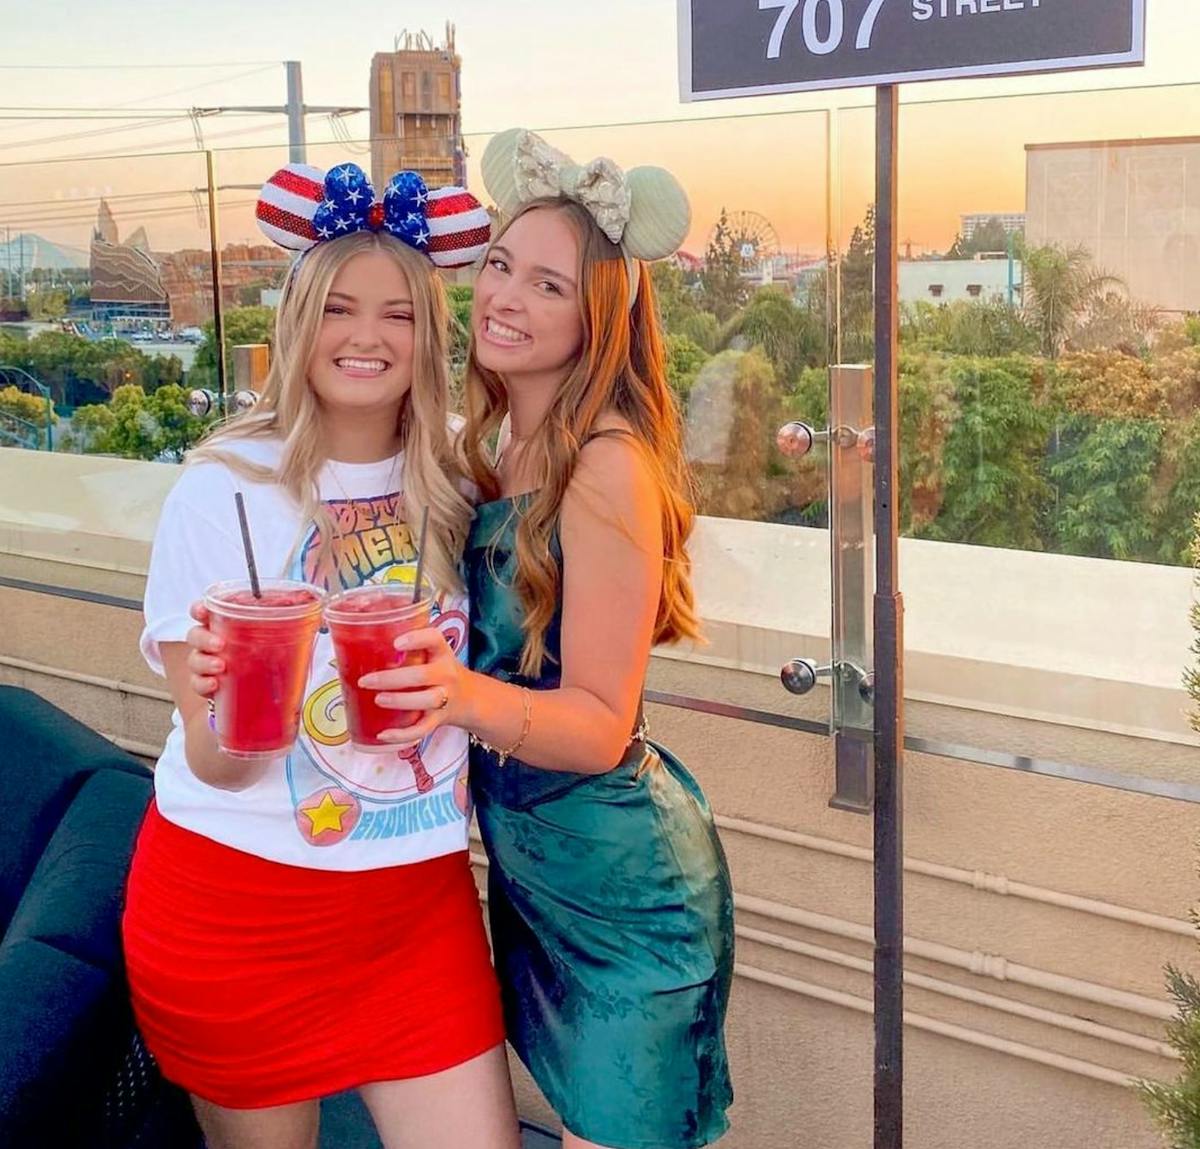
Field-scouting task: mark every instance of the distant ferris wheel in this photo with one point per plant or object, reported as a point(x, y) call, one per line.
point(754, 237)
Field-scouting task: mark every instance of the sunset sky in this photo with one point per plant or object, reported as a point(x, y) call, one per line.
point(596, 77)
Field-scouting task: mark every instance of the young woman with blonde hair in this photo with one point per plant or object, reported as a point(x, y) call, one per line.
point(609, 895)
point(309, 924)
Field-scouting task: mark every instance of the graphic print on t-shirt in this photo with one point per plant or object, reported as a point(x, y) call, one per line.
point(337, 793)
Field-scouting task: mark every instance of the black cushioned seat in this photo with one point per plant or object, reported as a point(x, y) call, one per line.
point(73, 1072)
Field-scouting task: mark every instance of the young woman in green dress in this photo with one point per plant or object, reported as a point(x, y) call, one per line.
point(608, 890)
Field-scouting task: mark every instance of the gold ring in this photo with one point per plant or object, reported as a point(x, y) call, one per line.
point(445, 699)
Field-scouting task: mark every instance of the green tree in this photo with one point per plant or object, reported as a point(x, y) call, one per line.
point(88, 433)
point(80, 371)
point(1111, 319)
point(459, 296)
point(994, 491)
point(1061, 285)
point(791, 337)
point(702, 328)
point(48, 305)
point(684, 360)
point(178, 428)
point(1104, 470)
point(135, 425)
point(857, 319)
point(928, 410)
point(724, 290)
point(31, 408)
point(733, 414)
point(675, 294)
point(242, 325)
point(135, 432)
point(1175, 1105)
point(161, 371)
point(1181, 505)
point(989, 329)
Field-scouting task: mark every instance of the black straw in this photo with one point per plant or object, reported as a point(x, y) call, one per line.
point(421, 554)
point(246, 546)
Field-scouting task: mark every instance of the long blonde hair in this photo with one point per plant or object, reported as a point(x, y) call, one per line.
point(289, 410)
point(621, 368)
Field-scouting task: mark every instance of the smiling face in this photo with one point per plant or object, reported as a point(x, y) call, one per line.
point(363, 356)
point(526, 312)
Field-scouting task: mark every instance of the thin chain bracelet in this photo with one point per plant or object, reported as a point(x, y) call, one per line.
point(502, 756)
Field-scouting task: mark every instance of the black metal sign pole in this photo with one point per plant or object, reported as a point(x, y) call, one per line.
point(889, 648)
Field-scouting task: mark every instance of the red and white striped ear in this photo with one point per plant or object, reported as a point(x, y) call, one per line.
point(459, 227)
point(288, 203)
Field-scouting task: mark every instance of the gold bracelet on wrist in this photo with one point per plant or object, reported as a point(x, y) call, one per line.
point(503, 755)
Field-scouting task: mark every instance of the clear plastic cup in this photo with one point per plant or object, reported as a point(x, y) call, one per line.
point(268, 655)
point(364, 623)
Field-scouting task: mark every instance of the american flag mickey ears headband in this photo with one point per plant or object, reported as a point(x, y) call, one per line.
point(301, 206)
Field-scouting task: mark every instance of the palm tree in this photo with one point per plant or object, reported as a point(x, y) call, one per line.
point(791, 337)
point(1061, 286)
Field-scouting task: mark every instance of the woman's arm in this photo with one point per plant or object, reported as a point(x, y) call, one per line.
point(611, 534)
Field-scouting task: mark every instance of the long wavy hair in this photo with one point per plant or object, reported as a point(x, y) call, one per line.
point(621, 368)
point(289, 409)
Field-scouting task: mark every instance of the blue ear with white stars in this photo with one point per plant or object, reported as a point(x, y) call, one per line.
point(404, 204)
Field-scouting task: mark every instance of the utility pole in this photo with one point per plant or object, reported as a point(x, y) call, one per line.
point(297, 151)
point(295, 109)
point(8, 276)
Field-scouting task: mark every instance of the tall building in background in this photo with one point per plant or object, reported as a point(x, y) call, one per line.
point(1011, 221)
point(126, 281)
point(416, 113)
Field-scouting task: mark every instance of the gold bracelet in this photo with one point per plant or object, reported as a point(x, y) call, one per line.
point(502, 756)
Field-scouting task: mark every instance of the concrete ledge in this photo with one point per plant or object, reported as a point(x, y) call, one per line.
point(1081, 642)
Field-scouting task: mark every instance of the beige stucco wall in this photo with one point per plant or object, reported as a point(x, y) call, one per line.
point(1132, 203)
point(1039, 912)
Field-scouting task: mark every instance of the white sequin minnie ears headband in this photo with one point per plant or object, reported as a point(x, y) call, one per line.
point(645, 210)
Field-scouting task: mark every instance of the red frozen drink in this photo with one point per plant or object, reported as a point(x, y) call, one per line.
point(267, 654)
point(364, 623)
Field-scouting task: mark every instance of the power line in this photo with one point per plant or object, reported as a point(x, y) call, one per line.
point(123, 197)
point(206, 84)
point(152, 213)
point(146, 150)
point(148, 153)
point(126, 67)
point(168, 114)
point(120, 110)
point(90, 109)
point(91, 132)
point(155, 150)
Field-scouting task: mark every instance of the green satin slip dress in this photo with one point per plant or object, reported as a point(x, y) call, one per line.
point(610, 904)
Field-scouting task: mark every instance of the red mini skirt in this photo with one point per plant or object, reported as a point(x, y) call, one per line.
point(258, 984)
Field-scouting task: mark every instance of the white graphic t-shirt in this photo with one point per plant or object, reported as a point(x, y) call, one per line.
point(323, 806)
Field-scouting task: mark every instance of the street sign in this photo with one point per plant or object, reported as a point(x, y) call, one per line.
point(759, 47)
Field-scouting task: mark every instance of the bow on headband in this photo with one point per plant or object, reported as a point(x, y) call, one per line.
point(301, 206)
point(350, 205)
point(645, 210)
